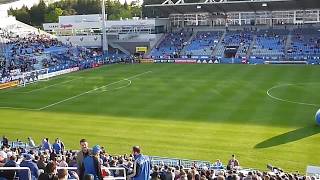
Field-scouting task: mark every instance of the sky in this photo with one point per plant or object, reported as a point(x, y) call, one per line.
point(129, 1)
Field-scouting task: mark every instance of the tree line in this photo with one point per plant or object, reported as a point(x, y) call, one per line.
point(43, 13)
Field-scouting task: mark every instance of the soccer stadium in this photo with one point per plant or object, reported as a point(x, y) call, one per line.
point(160, 89)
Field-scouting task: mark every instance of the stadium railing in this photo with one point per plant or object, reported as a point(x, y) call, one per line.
point(186, 163)
point(16, 169)
point(313, 171)
point(124, 177)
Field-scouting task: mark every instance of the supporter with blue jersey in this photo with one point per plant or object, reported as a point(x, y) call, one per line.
point(91, 164)
point(57, 146)
point(46, 144)
point(27, 162)
point(141, 167)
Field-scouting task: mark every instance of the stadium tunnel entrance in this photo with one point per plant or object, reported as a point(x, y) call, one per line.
point(230, 51)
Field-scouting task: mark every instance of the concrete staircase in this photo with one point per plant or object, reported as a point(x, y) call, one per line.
point(219, 43)
point(251, 46)
point(183, 51)
point(288, 43)
point(117, 46)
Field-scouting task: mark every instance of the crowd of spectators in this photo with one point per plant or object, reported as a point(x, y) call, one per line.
point(30, 52)
point(49, 161)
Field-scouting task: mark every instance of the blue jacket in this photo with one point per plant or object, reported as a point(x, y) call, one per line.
point(47, 146)
point(23, 174)
point(143, 164)
point(91, 165)
point(57, 148)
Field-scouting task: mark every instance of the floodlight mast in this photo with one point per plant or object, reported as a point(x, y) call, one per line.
point(104, 29)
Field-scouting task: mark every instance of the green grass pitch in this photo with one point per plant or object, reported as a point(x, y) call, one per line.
point(187, 111)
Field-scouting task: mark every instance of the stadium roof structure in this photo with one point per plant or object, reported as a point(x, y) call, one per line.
point(212, 6)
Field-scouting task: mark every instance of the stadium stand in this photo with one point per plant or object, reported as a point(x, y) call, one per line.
point(256, 46)
point(18, 154)
point(270, 44)
point(305, 45)
point(203, 43)
point(172, 45)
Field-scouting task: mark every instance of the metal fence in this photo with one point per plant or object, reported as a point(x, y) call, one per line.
point(121, 175)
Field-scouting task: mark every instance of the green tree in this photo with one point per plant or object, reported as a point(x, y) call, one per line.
point(53, 15)
point(22, 14)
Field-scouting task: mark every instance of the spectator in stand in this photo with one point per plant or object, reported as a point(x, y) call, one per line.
point(233, 163)
point(41, 163)
point(5, 141)
point(31, 142)
point(155, 175)
point(141, 167)
point(91, 164)
point(85, 151)
point(50, 172)
point(27, 162)
point(3, 157)
point(218, 164)
point(167, 174)
point(12, 173)
point(57, 146)
point(46, 145)
point(63, 162)
point(63, 174)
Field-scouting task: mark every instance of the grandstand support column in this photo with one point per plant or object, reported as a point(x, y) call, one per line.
point(104, 30)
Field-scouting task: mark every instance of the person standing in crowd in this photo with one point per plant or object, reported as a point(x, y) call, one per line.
point(11, 174)
point(5, 141)
point(27, 162)
point(31, 142)
point(56, 146)
point(46, 145)
point(50, 172)
point(3, 156)
point(85, 151)
point(91, 164)
point(233, 163)
point(167, 173)
point(41, 163)
point(141, 167)
point(218, 164)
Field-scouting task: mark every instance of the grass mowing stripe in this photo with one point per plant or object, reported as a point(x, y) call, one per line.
point(180, 111)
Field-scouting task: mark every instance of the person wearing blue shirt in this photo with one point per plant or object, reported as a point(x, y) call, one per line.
point(91, 165)
point(141, 167)
point(46, 144)
point(27, 162)
point(57, 147)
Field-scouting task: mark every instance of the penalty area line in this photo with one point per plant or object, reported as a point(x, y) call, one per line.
point(87, 92)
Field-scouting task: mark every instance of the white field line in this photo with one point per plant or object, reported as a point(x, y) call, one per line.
point(121, 87)
point(16, 108)
point(286, 100)
point(52, 85)
point(87, 92)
